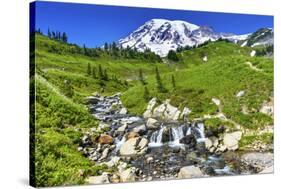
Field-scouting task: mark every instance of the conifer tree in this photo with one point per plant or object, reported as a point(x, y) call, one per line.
point(94, 73)
point(64, 37)
point(160, 85)
point(100, 72)
point(105, 76)
point(89, 70)
point(49, 33)
point(146, 95)
point(141, 77)
point(173, 82)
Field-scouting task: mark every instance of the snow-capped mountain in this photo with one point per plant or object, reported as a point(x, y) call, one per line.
point(263, 36)
point(161, 36)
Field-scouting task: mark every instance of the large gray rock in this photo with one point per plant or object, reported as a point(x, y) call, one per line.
point(152, 123)
point(231, 140)
point(150, 106)
point(127, 175)
point(261, 161)
point(102, 179)
point(190, 172)
point(166, 111)
point(140, 129)
point(134, 146)
point(185, 112)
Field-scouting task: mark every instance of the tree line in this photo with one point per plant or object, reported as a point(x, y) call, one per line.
point(110, 49)
point(159, 84)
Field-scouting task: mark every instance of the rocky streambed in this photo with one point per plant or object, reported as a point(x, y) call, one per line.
point(157, 146)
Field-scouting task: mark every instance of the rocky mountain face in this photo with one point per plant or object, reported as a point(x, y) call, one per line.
point(263, 36)
point(161, 36)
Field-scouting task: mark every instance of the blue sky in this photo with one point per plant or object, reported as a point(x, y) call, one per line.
point(93, 25)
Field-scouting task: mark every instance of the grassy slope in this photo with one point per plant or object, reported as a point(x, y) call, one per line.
point(59, 119)
point(223, 76)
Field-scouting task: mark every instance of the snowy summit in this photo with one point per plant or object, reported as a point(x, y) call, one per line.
point(161, 36)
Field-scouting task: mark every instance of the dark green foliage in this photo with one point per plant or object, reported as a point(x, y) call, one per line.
point(94, 74)
point(173, 82)
point(160, 85)
point(68, 89)
point(264, 51)
point(172, 55)
point(146, 94)
point(105, 76)
point(100, 72)
point(89, 69)
point(141, 78)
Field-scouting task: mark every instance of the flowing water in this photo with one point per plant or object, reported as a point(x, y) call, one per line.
point(170, 147)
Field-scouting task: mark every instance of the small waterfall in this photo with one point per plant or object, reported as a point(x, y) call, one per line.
point(188, 132)
point(177, 134)
point(119, 143)
point(200, 129)
point(156, 138)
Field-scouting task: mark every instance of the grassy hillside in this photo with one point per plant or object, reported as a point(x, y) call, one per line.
point(222, 76)
point(62, 83)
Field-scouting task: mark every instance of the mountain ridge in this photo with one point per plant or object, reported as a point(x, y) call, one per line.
point(162, 35)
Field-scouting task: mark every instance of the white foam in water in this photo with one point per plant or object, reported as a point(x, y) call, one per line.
point(177, 133)
point(156, 138)
point(225, 170)
point(119, 143)
point(200, 129)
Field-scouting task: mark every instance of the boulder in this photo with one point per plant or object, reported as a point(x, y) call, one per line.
point(216, 101)
point(159, 111)
point(132, 135)
point(105, 139)
point(231, 140)
point(123, 111)
point(240, 94)
point(260, 161)
point(141, 129)
point(134, 146)
point(189, 140)
point(102, 179)
point(152, 123)
point(171, 112)
point(104, 154)
point(205, 59)
point(190, 172)
point(150, 106)
point(166, 111)
point(127, 175)
point(208, 143)
point(185, 112)
point(115, 178)
point(113, 162)
point(103, 126)
point(122, 128)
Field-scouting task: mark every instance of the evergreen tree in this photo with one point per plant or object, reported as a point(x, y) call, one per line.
point(89, 70)
point(49, 33)
point(146, 95)
point(64, 37)
point(100, 72)
point(106, 46)
point(160, 85)
point(172, 55)
point(105, 76)
point(53, 35)
point(94, 73)
point(141, 77)
point(173, 82)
